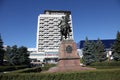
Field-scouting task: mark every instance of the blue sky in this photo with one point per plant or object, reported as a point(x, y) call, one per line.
point(91, 18)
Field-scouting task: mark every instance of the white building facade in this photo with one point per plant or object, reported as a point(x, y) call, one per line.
point(48, 34)
point(48, 31)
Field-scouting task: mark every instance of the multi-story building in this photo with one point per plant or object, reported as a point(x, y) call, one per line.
point(48, 33)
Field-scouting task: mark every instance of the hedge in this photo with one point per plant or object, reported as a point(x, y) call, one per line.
point(35, 69)
point(11, 68)
point(28, 70)
point(109, 74)
point(112, 63)
point(106, 65)
point(47, 66)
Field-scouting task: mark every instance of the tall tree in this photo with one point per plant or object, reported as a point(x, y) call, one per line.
point(93, 51)
point(100, 50)
point(1, 51)
point(23, 55)
point(9, 56)
point(116, 48)
point(17, 56)
point(88, 57)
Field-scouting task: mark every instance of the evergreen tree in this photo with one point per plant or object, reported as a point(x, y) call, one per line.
point(93, 51)
point(88, 57)
point(1, 51)
point(100, 51)
point(116, 48)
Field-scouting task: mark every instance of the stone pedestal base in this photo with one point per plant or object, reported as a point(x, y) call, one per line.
point(68, 60)
point(69, 69)
point(68, 54)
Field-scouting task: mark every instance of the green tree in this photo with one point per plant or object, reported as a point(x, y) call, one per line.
point(93, 51)
point(12, 55)
point(2, 51)
point(88, 57)
point(23, 55)
point(116, 48)
point(17, 56)
point(9, 56)
point(100, 51)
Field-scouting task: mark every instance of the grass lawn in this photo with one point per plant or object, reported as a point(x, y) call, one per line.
point(102, 72)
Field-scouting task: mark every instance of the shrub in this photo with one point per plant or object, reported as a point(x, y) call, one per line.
point(109, 74)
point(29, 70)
point(35, 69)
point(11, 68)
point(112, 63)
point(106, 65)
point(47, 66)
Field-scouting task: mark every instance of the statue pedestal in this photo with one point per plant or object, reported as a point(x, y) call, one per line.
point(68, 60)
point(68, 54)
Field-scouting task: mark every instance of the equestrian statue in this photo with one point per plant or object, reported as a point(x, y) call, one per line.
point(65, 28)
